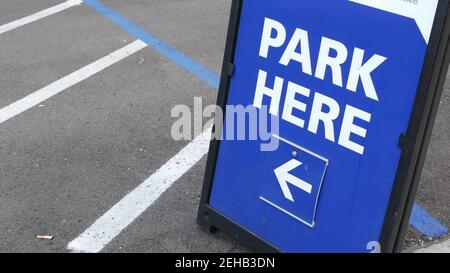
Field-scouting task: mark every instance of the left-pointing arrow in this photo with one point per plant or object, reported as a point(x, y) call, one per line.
point(285, 178)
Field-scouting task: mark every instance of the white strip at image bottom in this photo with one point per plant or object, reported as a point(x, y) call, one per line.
point(443, 247)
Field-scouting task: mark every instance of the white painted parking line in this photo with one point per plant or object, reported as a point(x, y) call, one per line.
point(60, 85)
point(108, 226)
point(39, 15)
point(443, 247)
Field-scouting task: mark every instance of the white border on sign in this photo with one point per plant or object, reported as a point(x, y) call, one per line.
point(327, 162)
point(422, 11)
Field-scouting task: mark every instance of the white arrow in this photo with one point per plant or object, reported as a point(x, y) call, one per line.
point(284, 177)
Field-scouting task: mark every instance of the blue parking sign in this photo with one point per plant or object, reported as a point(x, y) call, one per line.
point(352, 86)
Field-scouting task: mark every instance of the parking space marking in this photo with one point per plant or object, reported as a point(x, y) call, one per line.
point(39, 15)
point(426, 224)
point(62, 84)
point(160, 46)
point(108, 226)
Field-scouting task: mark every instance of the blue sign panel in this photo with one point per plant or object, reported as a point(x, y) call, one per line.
point(341, 77)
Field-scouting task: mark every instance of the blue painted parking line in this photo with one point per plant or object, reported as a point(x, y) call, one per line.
point(420, 219)
point(168, 51)
point(426, 224)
